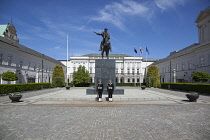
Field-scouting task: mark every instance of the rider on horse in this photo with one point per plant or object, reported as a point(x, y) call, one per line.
point(105, 40)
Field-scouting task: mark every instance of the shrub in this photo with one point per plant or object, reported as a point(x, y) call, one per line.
point(58, 79)
point(200, 76)
point(9, 76)
point(11, 88)
point(196, 87)
point(81, 77)
point(128, 84)
point(153, 77)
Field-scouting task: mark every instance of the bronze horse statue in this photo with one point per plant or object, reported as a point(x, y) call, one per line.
point(105, 48)
point(105, 45)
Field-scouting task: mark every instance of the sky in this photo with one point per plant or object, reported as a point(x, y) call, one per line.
point(163, 26)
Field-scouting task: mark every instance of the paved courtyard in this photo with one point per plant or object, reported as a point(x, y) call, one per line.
point(151, 114)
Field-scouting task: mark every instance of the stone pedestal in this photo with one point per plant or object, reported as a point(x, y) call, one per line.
point(105, 71)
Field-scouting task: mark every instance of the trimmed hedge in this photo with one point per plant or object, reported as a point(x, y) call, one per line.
point(197, 87)
point(11, 88)
point(127, 84)
point(123, 84)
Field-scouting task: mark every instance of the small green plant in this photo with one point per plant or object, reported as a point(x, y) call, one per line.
point(9, 76)
point(143, 87)
point(192, 93)
point(15, 94)
point(200, 76)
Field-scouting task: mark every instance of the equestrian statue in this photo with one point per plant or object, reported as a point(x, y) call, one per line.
point(105, 45)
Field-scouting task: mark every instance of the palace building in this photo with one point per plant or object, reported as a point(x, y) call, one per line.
point(30, 65)
point(180, 65)
point(128, 69)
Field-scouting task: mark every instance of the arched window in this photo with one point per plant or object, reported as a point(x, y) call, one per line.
point(121, 80)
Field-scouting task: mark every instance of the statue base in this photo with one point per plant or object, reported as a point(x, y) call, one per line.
point(105, 71)
point(92, 91)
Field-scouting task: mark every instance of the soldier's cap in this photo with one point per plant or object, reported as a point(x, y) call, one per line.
point(105, 29)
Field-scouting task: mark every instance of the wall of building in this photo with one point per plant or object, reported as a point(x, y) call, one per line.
point(27, 65)
point(180, 65)
point(128, 69)
point(203, 24)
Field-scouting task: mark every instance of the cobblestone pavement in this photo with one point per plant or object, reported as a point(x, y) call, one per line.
point(169, 118)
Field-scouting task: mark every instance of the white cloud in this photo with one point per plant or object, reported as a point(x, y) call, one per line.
point(116, 12)
point(57, 47)
point(24, 37)
point(166, 4)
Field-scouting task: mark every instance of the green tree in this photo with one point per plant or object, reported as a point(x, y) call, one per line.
point(9, 76)
point(153, 77)
point(200, 76)
point(58, 79)
point(81, 77)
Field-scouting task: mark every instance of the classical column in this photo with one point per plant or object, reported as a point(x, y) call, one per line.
point(119, 79)
point(174, 75)
point(92, 79)
point(37, 75)
point(125, 78)
point(135, 78)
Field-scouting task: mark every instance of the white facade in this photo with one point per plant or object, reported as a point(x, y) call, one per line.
point(128, 69)
point(180, 65)
point(31, 66)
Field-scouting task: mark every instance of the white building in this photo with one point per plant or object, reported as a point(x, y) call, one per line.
point(31, 66)
point(180, 65)
point(128, 69)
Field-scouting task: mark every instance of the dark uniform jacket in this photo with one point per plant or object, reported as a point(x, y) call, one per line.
point(110, 87)
point(100, 87)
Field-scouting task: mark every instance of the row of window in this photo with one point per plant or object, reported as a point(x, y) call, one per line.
point(118, 64)
point(128, 71)
point(74, 62)
point(9, 59)
point(183, 67)
point(29, 67)
point(117, 70)
point(129, 80)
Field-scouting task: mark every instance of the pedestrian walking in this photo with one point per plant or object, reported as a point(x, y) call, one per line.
point(100, 89)
point(110, 90)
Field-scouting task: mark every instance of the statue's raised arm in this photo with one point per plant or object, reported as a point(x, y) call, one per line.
point(97, 33)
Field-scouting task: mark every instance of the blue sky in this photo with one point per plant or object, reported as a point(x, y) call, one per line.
point(163, 26)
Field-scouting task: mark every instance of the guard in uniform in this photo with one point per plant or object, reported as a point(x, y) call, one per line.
point(110, 90)
point(100, 89)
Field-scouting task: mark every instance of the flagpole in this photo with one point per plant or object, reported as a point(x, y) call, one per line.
point(139, 51)
point(140, 66)
point(146, 66)
point(134, 66)
point(140, 71)
point(67, 60)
